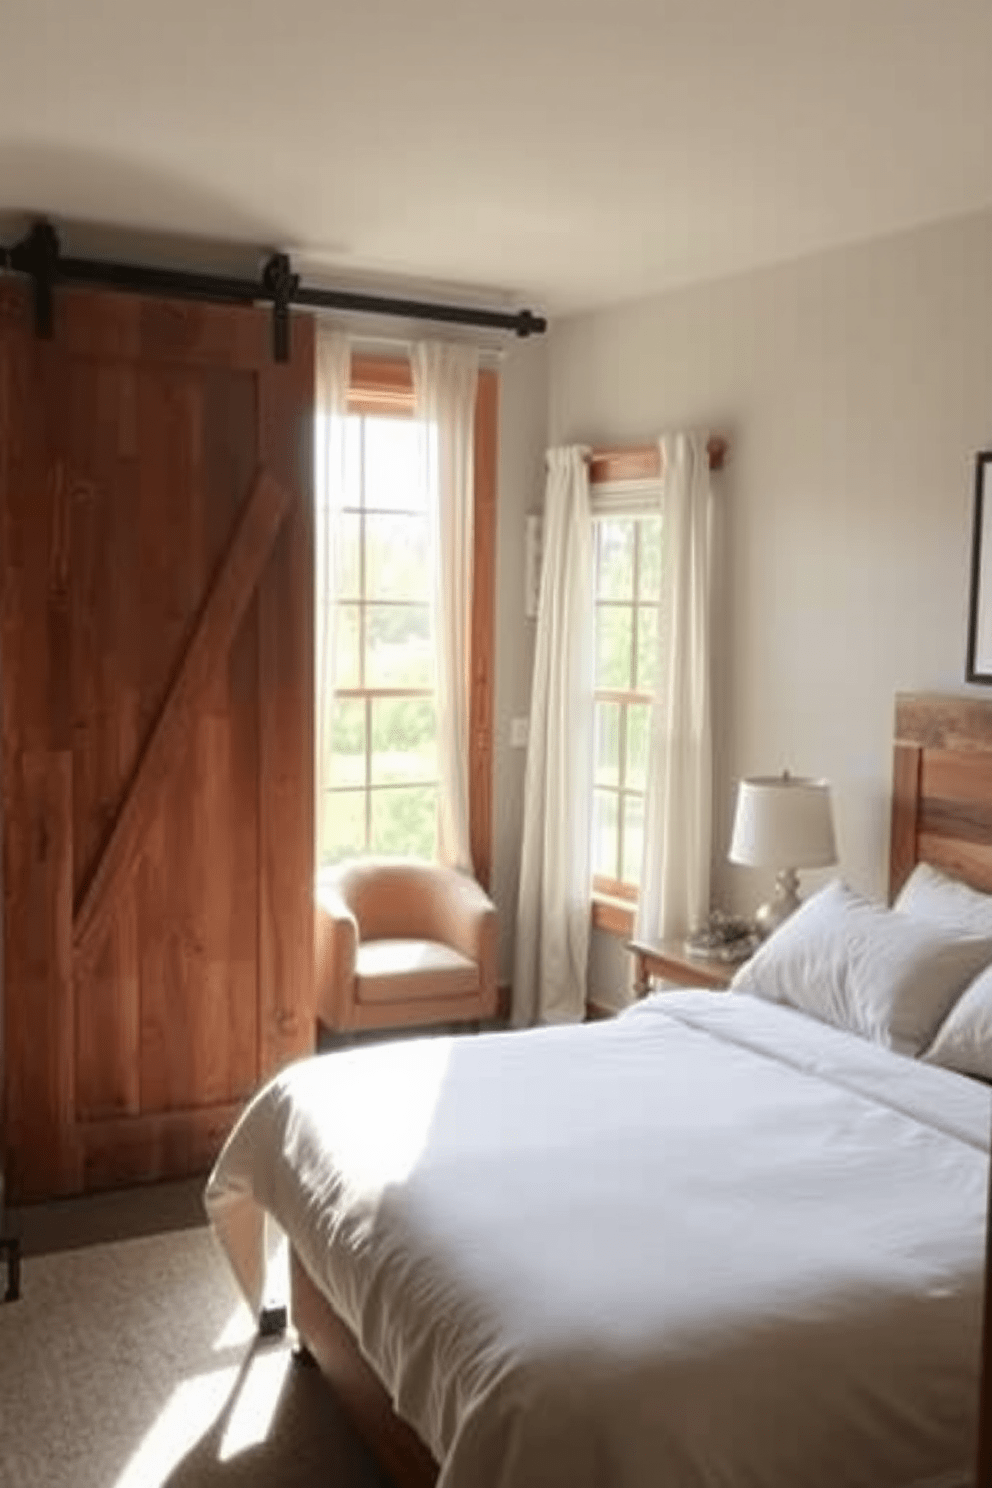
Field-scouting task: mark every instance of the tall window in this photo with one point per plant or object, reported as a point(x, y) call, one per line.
point(627, 586)
point(382, 793)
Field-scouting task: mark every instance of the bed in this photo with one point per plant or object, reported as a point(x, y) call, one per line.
point(712, 1241)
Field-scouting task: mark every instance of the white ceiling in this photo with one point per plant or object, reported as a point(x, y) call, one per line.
point(565, 152)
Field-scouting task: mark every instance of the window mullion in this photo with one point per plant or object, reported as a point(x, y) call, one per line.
point(368, 771)
point(621, 782)
point(634, 679)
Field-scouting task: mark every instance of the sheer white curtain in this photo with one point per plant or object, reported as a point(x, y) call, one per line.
point(333, 378)
point(675, 871)
point(552, 941)
point(445, 378)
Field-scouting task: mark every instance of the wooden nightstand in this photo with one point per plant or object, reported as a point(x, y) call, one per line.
point(670, 960)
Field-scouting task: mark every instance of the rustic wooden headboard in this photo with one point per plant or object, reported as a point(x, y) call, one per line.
point(942, 814)
point(942, 788)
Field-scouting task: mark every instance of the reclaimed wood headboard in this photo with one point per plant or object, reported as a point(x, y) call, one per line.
point(942, 814)
point(942, 788)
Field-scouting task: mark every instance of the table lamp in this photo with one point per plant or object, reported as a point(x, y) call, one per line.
point(782, 820)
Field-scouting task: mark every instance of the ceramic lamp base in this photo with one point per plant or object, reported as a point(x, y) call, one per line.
point(784, 902)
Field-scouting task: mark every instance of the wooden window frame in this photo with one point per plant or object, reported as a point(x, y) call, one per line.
point(606, 467)
point(384, 386)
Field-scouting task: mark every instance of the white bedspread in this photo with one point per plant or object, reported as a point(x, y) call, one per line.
point(711, 1242)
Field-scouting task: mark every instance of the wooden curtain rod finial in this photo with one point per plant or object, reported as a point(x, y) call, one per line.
point(643, 462)
point(717, 451)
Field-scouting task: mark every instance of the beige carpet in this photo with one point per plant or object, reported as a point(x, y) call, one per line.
point(135, 1365)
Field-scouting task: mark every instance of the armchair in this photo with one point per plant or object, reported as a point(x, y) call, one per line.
point(401, 943)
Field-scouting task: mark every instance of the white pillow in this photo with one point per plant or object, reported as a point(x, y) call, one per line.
point(964, 1042)
point(858, 965)
point(928, 894)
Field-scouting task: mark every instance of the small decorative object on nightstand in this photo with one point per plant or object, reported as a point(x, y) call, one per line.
point(785, 823)
point(724, 937)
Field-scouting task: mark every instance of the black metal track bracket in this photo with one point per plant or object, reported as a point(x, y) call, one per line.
point(279, 282)
point(38, 256)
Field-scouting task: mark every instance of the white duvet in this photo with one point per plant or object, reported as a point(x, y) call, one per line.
point(711, 1242)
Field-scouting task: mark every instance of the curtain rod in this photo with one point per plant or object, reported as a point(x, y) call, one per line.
point(39, 255)
point(643, 461)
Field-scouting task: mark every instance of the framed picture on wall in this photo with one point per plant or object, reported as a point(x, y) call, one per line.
point(979, 666)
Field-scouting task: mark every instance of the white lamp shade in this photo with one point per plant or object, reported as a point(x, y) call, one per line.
point(783, 822)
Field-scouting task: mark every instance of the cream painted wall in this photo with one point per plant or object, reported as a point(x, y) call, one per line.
point(523, 436)
point(855, 388)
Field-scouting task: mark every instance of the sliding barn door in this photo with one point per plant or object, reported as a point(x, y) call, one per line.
point(157, 693)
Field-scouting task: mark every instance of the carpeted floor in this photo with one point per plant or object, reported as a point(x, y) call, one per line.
point(133, 1364)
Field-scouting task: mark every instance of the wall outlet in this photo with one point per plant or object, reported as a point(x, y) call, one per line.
point(519, 729)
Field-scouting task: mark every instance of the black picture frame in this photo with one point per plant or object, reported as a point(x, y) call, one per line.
point(978, 666)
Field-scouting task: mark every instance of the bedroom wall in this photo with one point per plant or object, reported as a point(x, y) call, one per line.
point(855, 388)
point(523, 436)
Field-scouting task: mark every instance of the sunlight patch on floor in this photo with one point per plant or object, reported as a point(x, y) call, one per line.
point(187, 1415)
point(237, 1332)
point(255, 1407)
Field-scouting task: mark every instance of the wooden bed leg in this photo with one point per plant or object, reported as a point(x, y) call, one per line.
point(328, 1341)
point(272, 1321)
point(10, 1249)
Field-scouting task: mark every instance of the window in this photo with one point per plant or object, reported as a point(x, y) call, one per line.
point(382, 793)
point(627, 584)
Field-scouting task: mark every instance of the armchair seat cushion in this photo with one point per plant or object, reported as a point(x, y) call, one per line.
point(397, 970)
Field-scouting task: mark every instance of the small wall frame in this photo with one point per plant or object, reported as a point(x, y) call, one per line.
point(979, 660)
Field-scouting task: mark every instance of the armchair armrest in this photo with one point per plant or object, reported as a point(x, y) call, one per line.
point(466, 920)
point(335, 951)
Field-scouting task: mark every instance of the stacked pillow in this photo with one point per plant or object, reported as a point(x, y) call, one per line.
point(892, 975)
point(964, 1041)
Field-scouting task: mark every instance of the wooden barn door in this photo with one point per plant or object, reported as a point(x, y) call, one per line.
point(157, 694)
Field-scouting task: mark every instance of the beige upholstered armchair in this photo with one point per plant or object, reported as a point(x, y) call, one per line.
point(400, 942)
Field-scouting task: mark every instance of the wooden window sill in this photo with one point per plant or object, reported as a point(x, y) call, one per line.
point(615, 916)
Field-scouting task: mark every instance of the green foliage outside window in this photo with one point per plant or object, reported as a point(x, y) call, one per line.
point(628, 576)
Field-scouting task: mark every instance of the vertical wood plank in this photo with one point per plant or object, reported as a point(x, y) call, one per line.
point(38, 973)
point(229, 456)
point(13, 321)
point(906, 759)
point(108, 1072)
point(242, 856)
point(983, 1464)
point(99, 436)
point(37, 773)
point(199, 927)
point(287, 1017)
point(172, 585)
